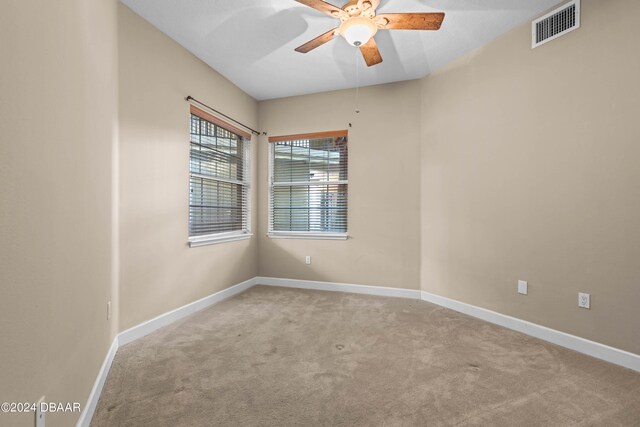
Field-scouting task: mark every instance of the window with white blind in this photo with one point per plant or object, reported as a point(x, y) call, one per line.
point(218, 181)
point(308, 186)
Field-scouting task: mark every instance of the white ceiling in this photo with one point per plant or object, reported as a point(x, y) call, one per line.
point(252, 42)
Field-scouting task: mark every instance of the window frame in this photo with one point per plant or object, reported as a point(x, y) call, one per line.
point(224, 236)
point(318, 235)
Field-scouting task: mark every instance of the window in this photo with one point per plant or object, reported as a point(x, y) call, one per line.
point(218, 181)
point(308, 186)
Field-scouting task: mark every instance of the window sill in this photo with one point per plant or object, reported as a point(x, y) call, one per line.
point(305, 235)
point(212, 239)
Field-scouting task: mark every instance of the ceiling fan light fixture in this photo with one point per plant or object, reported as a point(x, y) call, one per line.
point(358, 30)
point(359, 22)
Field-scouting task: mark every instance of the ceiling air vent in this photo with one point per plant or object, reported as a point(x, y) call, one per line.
point(555, 23)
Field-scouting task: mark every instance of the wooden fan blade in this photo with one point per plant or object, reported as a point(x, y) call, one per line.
point(371, 53)
point(323, 6)
point(318, 41)
point(412, 21)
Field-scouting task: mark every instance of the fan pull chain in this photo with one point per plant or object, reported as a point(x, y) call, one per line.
point(357, 81)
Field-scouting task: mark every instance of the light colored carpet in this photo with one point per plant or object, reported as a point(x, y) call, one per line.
point(282, 357)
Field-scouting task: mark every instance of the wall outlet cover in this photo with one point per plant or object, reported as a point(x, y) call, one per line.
point(307, 260)
point(584, 300)
point(523, 287)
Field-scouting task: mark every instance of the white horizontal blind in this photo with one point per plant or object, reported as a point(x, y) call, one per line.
point(309, 185)
point(218, 180)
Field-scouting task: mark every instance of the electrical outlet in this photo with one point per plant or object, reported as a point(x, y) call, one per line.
point(584, 300)
point(39, 413)
point(523, 287)
point(109, 310)
point(307, 260)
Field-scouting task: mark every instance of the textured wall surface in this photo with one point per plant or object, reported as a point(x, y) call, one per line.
point(158, 270)
point(384, 198)
point(58, 133)
point(530, 171)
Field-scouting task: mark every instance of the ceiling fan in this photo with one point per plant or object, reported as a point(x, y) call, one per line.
point(359, 23)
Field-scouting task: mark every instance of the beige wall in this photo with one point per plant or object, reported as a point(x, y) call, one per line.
point(384, 222)
point(530, 170)
point(58, 100)
point(158, 271)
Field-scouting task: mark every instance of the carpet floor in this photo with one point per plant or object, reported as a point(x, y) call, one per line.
point(283, 357)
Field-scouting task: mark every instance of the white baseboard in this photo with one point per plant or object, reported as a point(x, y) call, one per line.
point(581, 345)
point(94, 396)
point(145, 328)
point(340, 287)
